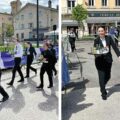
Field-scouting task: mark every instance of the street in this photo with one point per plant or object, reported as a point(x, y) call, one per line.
point(25, 102)
point(82, 99)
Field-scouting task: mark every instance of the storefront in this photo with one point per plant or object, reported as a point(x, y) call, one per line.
point(102, 18)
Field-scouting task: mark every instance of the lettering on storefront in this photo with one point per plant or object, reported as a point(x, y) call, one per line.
point(104, 14)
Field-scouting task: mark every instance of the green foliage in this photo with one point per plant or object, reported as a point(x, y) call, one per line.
point(9, 30)
point(79, 13)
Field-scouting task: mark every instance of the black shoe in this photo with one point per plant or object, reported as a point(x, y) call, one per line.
point(40, 87)
point(4, 99)
point(26, 76)
point(10, 83)
point(104, 97)
point(50, 86)
point(22, 80)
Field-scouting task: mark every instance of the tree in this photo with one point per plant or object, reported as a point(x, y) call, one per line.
point(79, 13)
point(9, 30)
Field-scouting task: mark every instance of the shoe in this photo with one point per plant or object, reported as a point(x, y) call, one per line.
point(50, 86)
point(10, 83)
point(40, 87)
point(26, 76)
point(4, 99)
point(22, 80)
point(104, 97)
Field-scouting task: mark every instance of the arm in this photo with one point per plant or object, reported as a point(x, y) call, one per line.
point(114, 47)
point(34, 52)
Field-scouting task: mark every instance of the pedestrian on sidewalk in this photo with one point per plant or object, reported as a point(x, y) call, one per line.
point(54, 59)
point(18, 54)
point(72, 39)
point(31, 53)
point(2, 91)
point(46, 66)
point(103, 62)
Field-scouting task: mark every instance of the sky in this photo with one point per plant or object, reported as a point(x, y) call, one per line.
point(5, 4)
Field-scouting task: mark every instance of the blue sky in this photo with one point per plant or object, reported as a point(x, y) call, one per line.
point(5, 4)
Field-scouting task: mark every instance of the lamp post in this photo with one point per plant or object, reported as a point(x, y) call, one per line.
point(37, 23)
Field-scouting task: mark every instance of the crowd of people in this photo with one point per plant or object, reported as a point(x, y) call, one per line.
point(47, 57)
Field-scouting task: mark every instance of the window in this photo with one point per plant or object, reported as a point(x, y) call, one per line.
point(91, 2)
point(40, 24)
point(40, 13)
point(22, 35)
point(30, 15)
point(17, 35)
point(71, 3)
point(30, 35)
point(30, 25)
point(22, 17)
point(104, 2)
point(22, 26)
point(117, 2)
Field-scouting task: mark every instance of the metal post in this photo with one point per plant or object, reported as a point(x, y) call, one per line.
point(37, 23)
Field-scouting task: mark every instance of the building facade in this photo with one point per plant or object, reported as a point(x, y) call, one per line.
point(5, 19)
point(25, 25)
point(100, 13)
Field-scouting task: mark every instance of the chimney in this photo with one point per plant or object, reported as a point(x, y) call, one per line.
point(50, 4)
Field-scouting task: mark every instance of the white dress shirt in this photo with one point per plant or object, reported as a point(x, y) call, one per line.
point(18, 51)
point(103, 42)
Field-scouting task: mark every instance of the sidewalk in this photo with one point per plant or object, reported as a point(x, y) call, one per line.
point(83, 98)
point(25, 103)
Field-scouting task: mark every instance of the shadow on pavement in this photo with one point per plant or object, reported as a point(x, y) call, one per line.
point(16, 102)
point(113, 89)
point(51, 102)
point(71, 102)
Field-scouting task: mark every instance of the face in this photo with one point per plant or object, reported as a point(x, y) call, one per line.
point(27, 45)
point(101, 32)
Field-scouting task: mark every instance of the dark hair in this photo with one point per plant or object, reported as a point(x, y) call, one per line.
point(102, 28)
point(47, 44)
point(29, 43)
point(17, 40)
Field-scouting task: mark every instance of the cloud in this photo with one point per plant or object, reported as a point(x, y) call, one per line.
point(5, 4)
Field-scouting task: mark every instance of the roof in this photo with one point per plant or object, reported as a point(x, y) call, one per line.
point(34, 5)
point(5, 13)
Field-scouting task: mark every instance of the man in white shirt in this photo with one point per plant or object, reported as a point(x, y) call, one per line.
point(18, 53)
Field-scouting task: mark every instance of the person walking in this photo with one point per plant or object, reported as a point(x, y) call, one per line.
point(30, 52)
point(18, 53)
point(103, 62)
point(72, 38)
point(46, 66)
point(2, 91)
point(54, 59)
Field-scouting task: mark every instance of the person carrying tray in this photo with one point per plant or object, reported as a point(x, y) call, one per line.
point(103, 62)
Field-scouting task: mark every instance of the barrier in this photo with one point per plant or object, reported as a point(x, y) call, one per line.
point(7, 59)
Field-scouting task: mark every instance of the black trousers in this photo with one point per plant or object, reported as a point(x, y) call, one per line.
point(104, 73)
point(46, 68)
point(3, 92)
point(29, 67)
point(53, 67)
point(17, 68)
point(72, 44)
